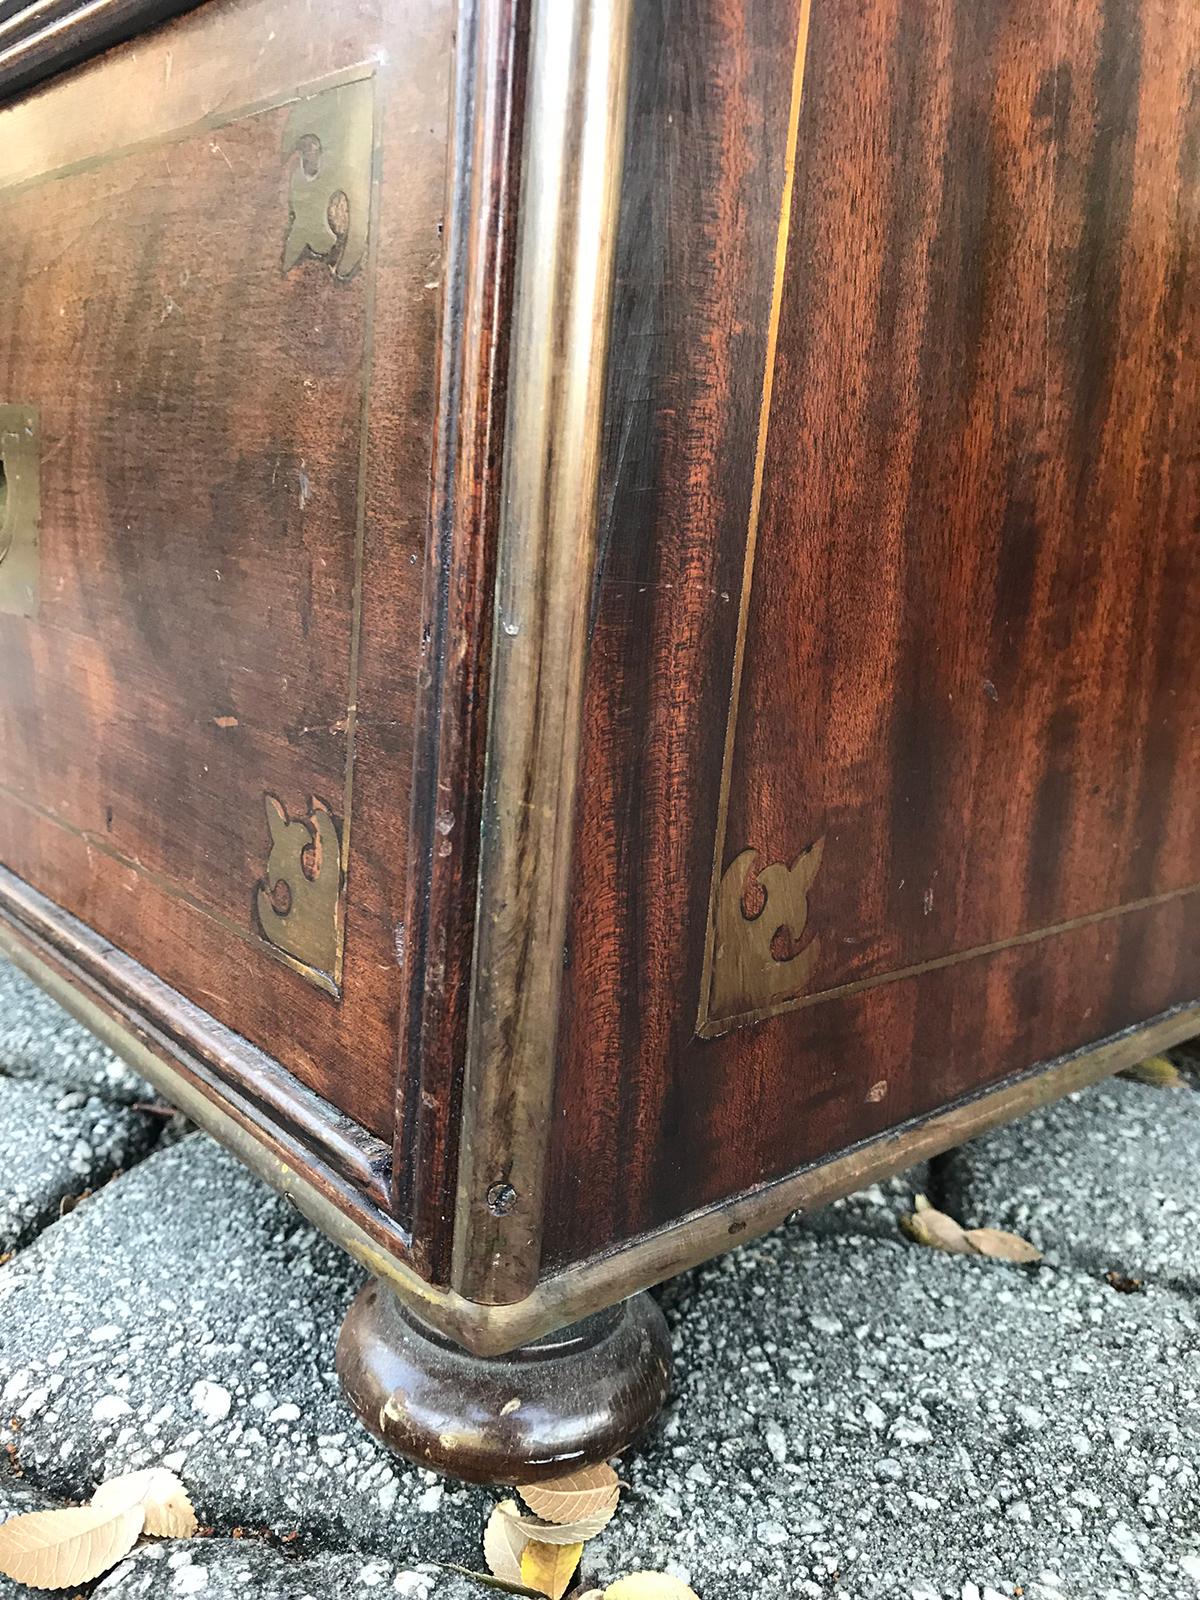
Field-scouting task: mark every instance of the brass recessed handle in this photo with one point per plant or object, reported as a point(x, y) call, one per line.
point(20, 509)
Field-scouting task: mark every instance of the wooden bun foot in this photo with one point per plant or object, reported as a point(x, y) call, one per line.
point(565, 1401)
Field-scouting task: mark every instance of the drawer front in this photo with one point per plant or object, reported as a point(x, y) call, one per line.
point(890, 763)
point(219, 257)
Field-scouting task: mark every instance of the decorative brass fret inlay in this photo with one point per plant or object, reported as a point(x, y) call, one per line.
point(757, 958)
point(20, 510)
point(299, 899)
point(331, 135)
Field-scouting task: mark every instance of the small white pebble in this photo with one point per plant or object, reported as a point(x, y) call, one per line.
point(874, 1416)
point(110, 1407)
point(189, 1580)
point(211, 1400)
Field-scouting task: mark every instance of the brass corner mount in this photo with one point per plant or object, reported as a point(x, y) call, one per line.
point(20, 510)
point(750, 973)
point(298, 903)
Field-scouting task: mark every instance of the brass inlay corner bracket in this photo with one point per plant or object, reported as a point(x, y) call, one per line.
point(749, 974)
point(298, 902)
point(20, 510)
point(332, 136)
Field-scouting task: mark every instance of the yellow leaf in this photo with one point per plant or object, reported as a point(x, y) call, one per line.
point(932, 1227)
point(649, 1586)
point(549, 1568)
point(163, 1499)
point(575, 1497)
point(59, 1549)
point(1158, 1071)
point(504, 1538)
point(1001, 1246)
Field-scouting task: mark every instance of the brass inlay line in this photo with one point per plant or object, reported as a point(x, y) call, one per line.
point(764, 421)
point(719, 1025)
point(360, 510)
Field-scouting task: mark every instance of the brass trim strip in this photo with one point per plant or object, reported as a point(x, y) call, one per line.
point(375, 1241)
point(570, 194)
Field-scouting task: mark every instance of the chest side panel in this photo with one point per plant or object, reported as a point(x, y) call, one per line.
point(220, 252)
point(894, 688)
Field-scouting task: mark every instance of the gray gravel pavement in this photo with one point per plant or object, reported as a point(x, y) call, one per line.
point(854, 1417)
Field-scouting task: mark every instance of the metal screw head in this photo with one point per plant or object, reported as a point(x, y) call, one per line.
point(502, 1199)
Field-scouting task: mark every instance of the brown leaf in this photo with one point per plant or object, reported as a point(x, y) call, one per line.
point(649, 1586)
point(59, 1549)
point(1158, 1071)
point(504, 1538)
point(557, 1532)
point(549, 1568)
point(934, 1228)
point(1001, 1246)
point(169, 1513)
point(575, 1497)
point(1122, 1284)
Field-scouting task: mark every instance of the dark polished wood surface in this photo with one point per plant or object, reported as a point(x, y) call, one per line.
point(970, 671)
point(892, 681)
point(234, 483)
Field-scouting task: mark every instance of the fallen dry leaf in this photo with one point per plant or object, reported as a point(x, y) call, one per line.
point(929, 1226)
point(649, 1586)
point(59, 1549)
point(1001, 1246)
point(168, 1511)
point(1158, 1071)
point(575, 1497)
point(503, 1540)
point(557, 1532)
point(1123, 1284)
point(549, 1568)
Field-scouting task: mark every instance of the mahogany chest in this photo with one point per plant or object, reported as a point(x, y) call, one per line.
point(598, 599)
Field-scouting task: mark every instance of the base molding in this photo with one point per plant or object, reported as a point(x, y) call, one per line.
point(564, 1296)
